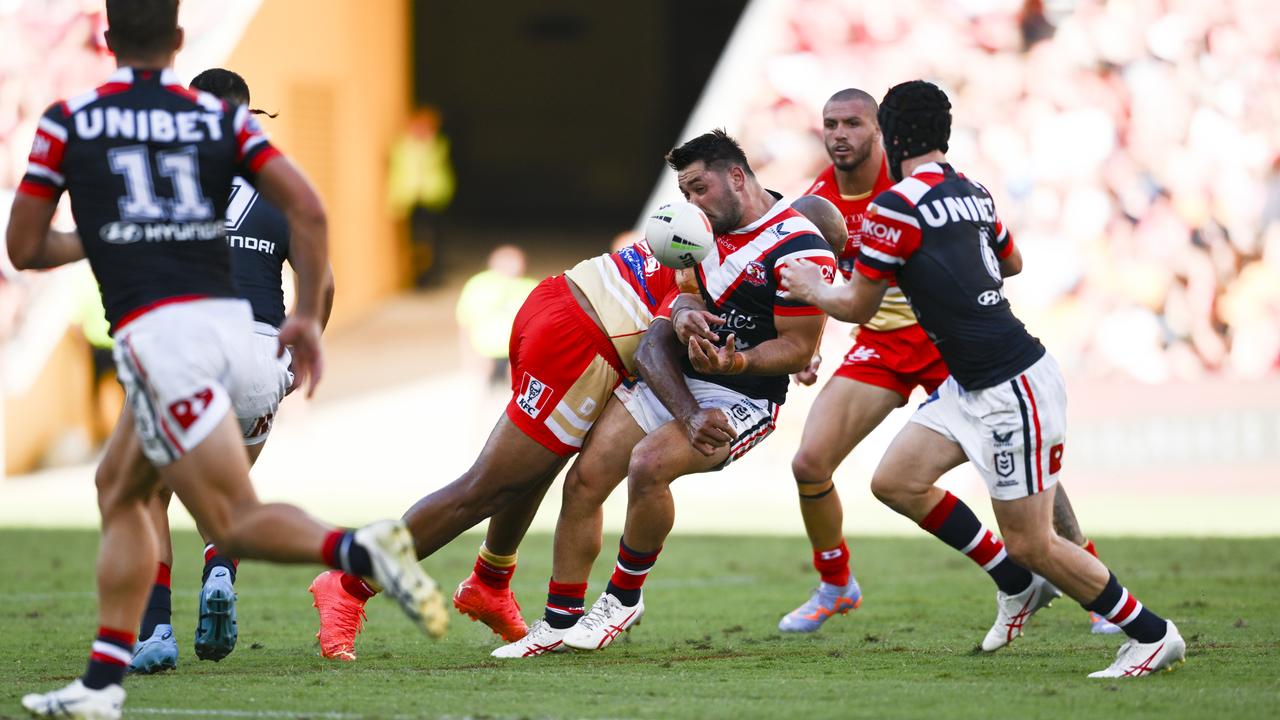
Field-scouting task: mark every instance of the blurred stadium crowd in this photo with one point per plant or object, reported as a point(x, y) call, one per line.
point(1133, 147)
point(48, 50)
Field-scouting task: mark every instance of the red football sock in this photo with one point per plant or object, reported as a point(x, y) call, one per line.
point(833, 564)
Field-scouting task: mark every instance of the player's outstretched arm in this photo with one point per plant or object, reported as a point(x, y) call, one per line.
point(855, 302)
point(32, 244)
point(658, 361)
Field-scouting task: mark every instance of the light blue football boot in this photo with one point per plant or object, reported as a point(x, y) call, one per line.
point(216, 633)
point(156, 653)
point(826, 601)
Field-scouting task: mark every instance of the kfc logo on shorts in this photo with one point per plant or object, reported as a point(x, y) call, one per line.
point(755, 273)
point(533, 395)
point(1004, 464)
point(740, 412)
point(188, 410)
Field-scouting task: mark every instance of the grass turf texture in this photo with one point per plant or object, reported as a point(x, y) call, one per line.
point(708, 646)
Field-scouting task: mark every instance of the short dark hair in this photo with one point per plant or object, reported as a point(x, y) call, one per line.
point(223, 84)
point(141, 27)
point(226, 85)
point(848, 94)
point(915, 118)
point(715, 149)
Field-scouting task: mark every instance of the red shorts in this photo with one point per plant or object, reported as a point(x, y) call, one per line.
point(896, 360)
point(563, 368)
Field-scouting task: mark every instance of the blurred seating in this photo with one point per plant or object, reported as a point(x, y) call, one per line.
point(1133, 148)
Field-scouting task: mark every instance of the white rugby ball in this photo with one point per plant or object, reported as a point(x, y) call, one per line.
point(679, 235)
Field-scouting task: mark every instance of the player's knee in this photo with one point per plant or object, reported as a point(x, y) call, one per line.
point(229, 526)
point(1028, 549)
point(809, 470)
point(584, 489)
point(647, 469)
point(887, 490)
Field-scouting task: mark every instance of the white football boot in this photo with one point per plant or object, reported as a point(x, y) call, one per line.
point(542, 638)
point(606, 620)
point(397, 573)
point(1013, 611)
point(77, 701)
point(1136, 659)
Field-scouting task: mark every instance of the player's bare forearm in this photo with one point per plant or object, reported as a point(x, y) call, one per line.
point(329, 290)
point(790, 352)
point(32, 244)
point(308, 240)
point(286, 188)
point(658, 359)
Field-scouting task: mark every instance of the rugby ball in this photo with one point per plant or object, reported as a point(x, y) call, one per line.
point(679, 235)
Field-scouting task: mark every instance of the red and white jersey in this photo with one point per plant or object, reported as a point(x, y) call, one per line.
point(895, 311)
point(625, 288)
point(740, 280)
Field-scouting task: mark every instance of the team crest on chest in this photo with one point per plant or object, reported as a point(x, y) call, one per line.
point(755, 273)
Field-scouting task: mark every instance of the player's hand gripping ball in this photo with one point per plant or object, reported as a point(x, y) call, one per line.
point(679, 235)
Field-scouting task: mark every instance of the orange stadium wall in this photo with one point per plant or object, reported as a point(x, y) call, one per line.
point(337, 73)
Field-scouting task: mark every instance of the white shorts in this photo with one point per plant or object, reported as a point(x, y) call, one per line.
point(266, 380)
point(1013, 433)
point(751, 418)
point(181, 366)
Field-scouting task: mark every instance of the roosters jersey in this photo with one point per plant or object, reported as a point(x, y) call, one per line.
point(148, 165)
point(938, 234)
point(739, 280)
point(626, 289)
point(258, 235)
point(895, 311)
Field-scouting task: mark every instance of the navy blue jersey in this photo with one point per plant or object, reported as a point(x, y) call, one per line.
point(258, 235)
point(937, 232)
point(740, 281)
point(148, 164)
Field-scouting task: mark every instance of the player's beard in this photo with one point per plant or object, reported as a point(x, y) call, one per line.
point(729, 219)
point(860, 155)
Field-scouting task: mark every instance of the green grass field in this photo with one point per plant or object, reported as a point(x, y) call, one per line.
point(708, 647)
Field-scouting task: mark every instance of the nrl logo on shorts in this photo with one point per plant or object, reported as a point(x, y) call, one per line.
point(1004, 464)
point(533, 395)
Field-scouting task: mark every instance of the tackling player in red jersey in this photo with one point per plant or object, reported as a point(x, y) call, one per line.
point(573, 341)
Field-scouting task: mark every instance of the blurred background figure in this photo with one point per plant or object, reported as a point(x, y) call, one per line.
point(486, 309)
point(421, 184)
